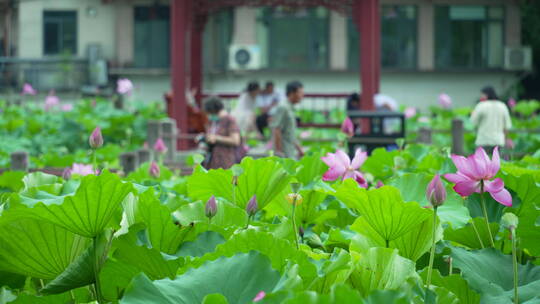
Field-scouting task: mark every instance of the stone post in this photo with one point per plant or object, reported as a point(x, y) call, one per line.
point(19, 161)
point(128, 161)
point(143, 156)
point(457, 137)
point(424, 136)
point(153, 132)
point(169, 134)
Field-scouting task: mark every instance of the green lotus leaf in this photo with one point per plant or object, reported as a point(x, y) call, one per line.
point(475, 235)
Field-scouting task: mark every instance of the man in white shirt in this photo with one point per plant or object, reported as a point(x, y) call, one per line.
point(266, 100)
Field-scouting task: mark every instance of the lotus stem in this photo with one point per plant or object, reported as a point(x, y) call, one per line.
point(515, 265)
point(449, 266)
point(295, 231)
point(97, 284)
point(484, 210)
point(432, 252)
point(94, 160)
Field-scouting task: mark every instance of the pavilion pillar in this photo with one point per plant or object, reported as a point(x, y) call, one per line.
point(366, 14)
point(178, 107)
point(196, 53)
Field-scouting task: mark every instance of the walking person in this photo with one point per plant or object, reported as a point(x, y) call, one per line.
point(283, 123)
point(491, 119)
point(244, 112)
point(268, 98)
point(222, 136)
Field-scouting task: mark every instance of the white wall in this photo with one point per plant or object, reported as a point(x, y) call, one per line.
point(99, 29)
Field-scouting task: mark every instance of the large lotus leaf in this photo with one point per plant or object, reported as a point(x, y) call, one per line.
point(383, 209)
point(115, 277)
point(37, 248)
point(227, 216)
point(380, 163)
point(12, 180)
point(413, 188)
point(206, 242)
point(89, 211)
point(134, 249)
point(37, 179)
point(467, 236)
point(411, 245)
point(82, 271)
point(334, 270)
point(454, 283)
point(489, 272)
point(239, 278)
point(266, 178)
point(381, 268)
point(6, 295)
point(143, 173)
point(280, 251)
point(308, 212)
point(311, 169)
point(339, 293)
point(25, 298)
point(163, 233)
point(528, 212)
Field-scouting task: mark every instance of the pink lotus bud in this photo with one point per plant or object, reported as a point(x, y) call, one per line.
point(51, 101)
point(67, 107)
point(160, 147)
point(66, 174)
point(379, 184)
point(445, 101)
point(259, 296)
point(410, 112)
point(28, 90)
point(347, 127)
point(436, 193)
point(252, 206)
point(154, 170)
point(511, 103)
point(210, 209)
point(96, 139)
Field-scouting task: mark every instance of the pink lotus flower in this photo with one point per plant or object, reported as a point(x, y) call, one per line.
point(475, 174)
point(51, 101)
point(445, 101)
point(305, 134)
point(154, 170)
point(96, 139)
point(82, 169)
point(68, 107)
point(160, 147)
point(435, 192)
point(124, 86)
point(28, 90)
point(410, 112)
point(342, 167)
point(347, 127)
point(511, 103)
point(259, 296)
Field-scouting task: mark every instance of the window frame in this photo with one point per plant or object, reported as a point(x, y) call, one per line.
point(56, 19)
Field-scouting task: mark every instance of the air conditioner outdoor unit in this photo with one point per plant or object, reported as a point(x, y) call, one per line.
point(518, 58)
point(244, 57)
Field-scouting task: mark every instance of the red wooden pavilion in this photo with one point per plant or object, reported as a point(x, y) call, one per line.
point(188, 18)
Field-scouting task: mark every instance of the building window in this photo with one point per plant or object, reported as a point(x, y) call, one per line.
point(152, 36)
point(398, 38)
point(60, 32)
point(296, 38)
point(469, 36)
point(217, 39)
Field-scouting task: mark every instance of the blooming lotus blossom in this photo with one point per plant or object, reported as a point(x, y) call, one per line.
point(210, 210)
point(435, 192)
point(68, 107)
point(96, 139)
point(28, 90)
point(82, 169)
point(445, 101)
point(259, 296)
point(124, 86)
point(160, 146)
point(252, 206)
point(51, 101)
point(476, 173)
point(511, 103)
point(154, 170)
point(347, 127)
point(342, 167)
point(410, 112)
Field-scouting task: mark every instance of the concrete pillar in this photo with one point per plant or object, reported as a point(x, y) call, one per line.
point(19, 161)
point(124, 32)
point(128, 161)
point(513, 25)
point(169, 134)
point(338, 41)
point(153, 132)
point(143, 156)
point(458, 137)
point(245, 25)
point(425, 40)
